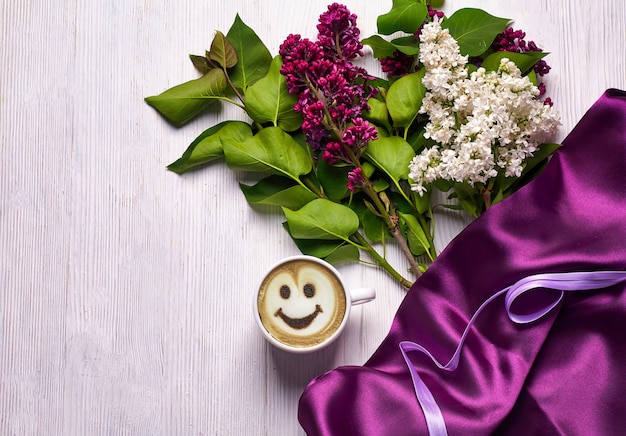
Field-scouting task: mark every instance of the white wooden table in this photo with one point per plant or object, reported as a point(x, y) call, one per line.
point(125, 289)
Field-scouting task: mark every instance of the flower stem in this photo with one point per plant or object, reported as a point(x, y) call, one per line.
point(382, 261)
point(391, 221)
point(313, 187)
point(487, 198)
point(429, 232)
point(397, 235)
point(233, 87)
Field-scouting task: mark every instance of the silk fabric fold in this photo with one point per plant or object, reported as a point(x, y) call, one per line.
point(561, 375)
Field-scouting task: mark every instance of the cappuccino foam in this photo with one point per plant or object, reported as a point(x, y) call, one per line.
point(301, 303)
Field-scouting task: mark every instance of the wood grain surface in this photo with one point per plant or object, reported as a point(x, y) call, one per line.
point(125, 289)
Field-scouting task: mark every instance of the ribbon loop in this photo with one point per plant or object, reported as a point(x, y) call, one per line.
point(555, 282)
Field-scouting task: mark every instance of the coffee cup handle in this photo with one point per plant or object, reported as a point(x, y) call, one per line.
point(362, 295)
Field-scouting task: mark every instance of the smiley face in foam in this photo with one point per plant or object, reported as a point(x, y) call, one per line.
point(301, 303)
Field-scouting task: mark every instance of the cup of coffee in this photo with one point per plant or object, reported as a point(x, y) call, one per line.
point(302, 304)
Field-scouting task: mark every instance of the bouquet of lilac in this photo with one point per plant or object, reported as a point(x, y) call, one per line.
point(352, 159)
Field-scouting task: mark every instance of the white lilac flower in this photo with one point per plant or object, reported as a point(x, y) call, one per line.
point(484, 123)
point(422, 168)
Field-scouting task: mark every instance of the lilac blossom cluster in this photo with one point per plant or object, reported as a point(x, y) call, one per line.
point(484, 123)
point(332, 91)
point(398, 65)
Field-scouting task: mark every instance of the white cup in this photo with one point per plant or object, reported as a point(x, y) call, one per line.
point(302, 303)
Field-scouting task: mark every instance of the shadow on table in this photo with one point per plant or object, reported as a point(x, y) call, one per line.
point(297, 370)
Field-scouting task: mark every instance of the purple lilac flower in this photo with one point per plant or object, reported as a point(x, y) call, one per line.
point(331, 90)
point(338, 34)
point(354, 137)
point(398, 64)
point(313, 124)
point(542, 89)
point(359, 134)
point(355, 179)
point(434, 12)
point(334, 153)
point(297, 55)
point(510, 40)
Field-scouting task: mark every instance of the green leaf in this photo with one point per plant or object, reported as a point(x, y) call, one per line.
point(407, 45)
point(405, 16)
point(404, 98)
point(499, 196)
point(379, 83)
point(322, 219)
point(271, 150)
point(543, 152)
point(183, 102)
point(277, 191)
point(469, 198)
point(208, 145)
point(380, 185)
point(444, 185)
point(421, 202)
point(254, 57)
point(380, 47)
point(402, 204)
point(418, 141)
point(333, 179)
point(325, 249)
point(384, 49)
point(372, 224)
point(269, 101)
point(474, 29)
point(378, 113)
point(222, 51)
point(368, 168)
point(416, 237)
point(201, 64)
point(374, 227)
point(392, 155)
point(343, 253)
point(524, 61)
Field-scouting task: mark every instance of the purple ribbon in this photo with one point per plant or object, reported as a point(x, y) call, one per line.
point(559, 282)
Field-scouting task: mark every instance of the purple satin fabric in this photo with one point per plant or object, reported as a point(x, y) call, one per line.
point(562, 375)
